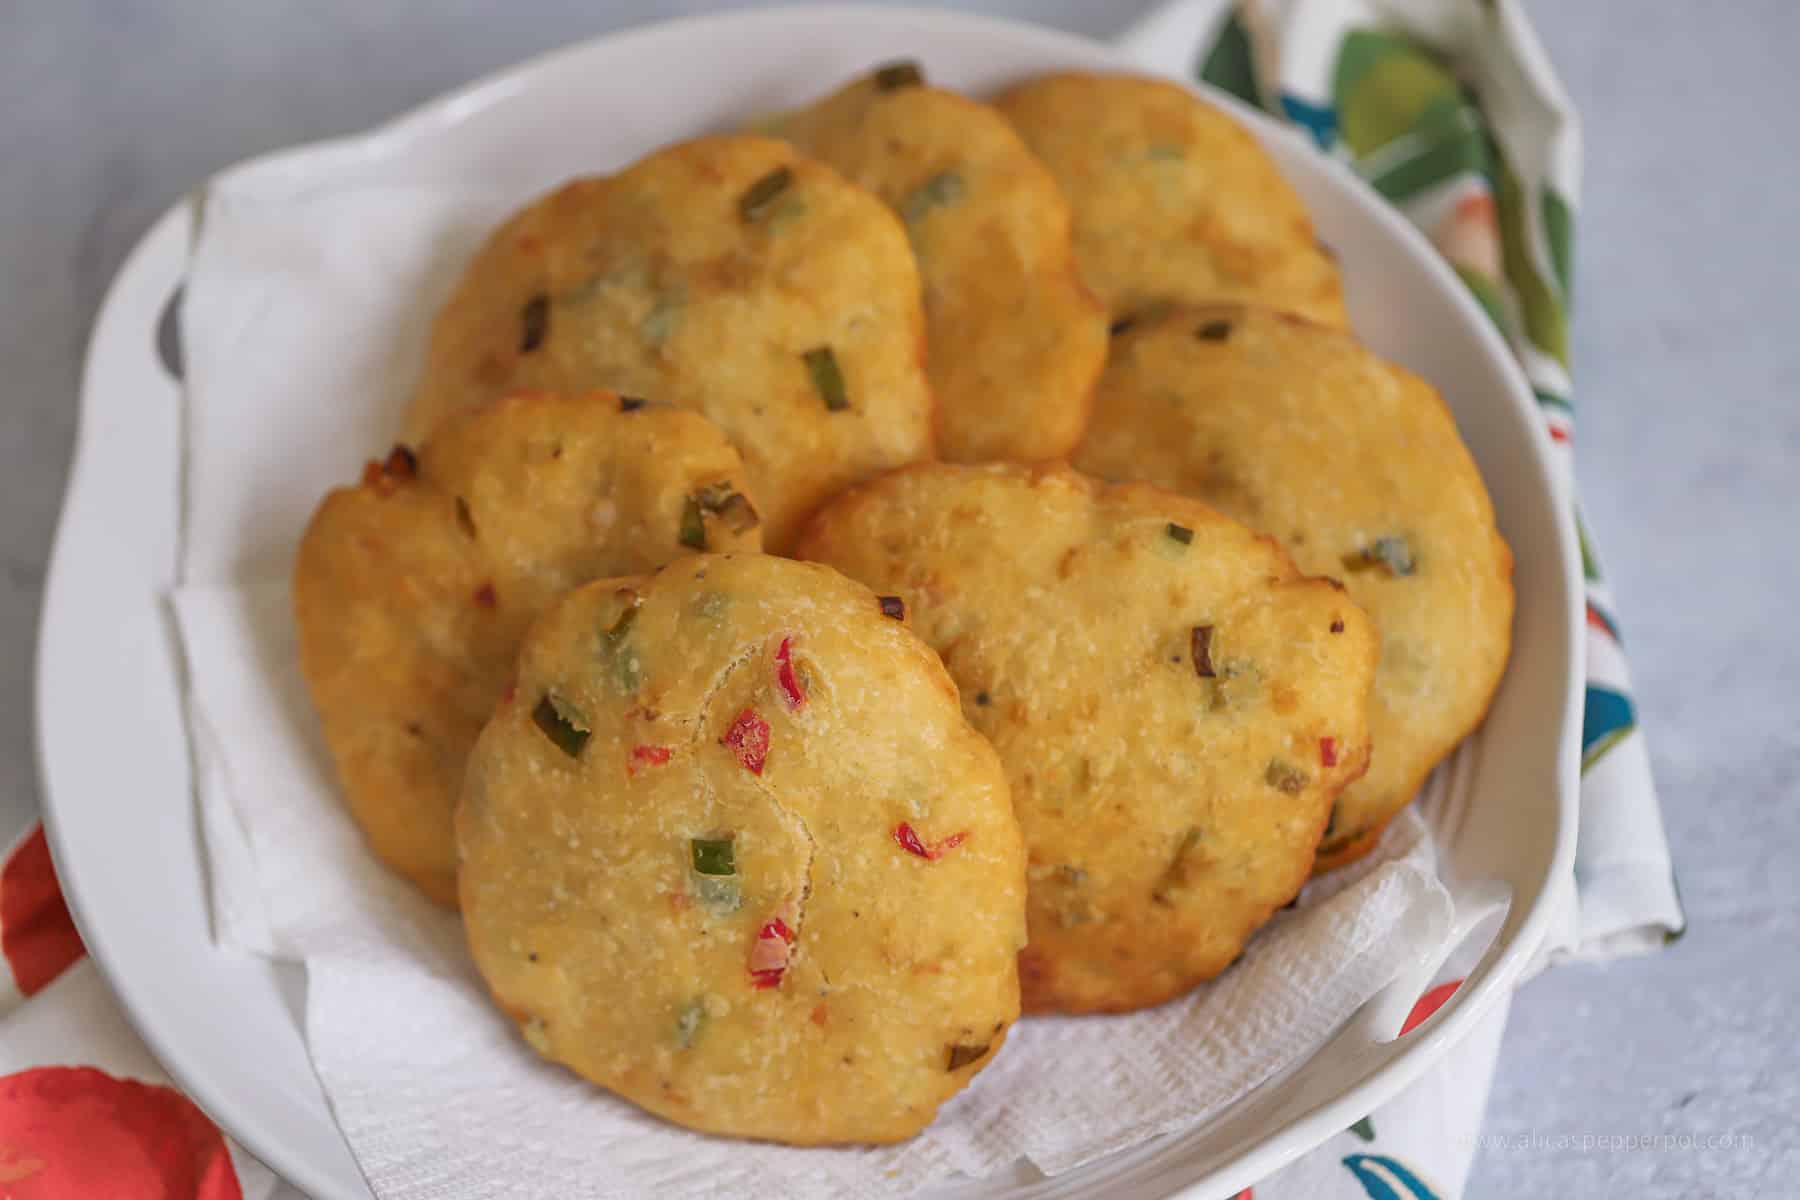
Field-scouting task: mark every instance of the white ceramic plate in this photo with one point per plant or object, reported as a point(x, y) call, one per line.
point(113, 749)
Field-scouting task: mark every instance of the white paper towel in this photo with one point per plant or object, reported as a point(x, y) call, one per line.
point(304, 323)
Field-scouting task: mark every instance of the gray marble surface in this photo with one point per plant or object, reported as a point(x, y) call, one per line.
point(1687, 364)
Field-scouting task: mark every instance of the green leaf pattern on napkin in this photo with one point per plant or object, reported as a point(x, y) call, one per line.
point(1493, 196)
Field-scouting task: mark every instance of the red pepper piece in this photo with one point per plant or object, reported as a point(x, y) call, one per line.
point(649, 756)
point(1328, 751)
point(769, 956)
point(485, 596)
point(910, 842)
point(748, 738)
point(785, 677)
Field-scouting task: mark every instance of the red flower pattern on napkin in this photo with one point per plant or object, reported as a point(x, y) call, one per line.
point(37, 936)
point(74, 1132)
point(1429, 1003)
point(70, 1133)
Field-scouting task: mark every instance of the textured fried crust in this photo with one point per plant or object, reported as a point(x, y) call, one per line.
point(1174, 201)
point(1302, 433)
point(1016, 340)
point(668, 280)
point(1167, 811)
point(582, 896)
point(412, 590)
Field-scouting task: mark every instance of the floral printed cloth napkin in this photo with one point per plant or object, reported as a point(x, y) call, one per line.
point(1449, 109)
point(85, 1111)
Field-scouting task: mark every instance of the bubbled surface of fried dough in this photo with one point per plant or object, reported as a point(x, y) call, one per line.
point(595, 927)
point(670, 280)
point(1355, 466)
point(1174, 201)
point(413, 589)
point(1171, 784)
point(1016, 339)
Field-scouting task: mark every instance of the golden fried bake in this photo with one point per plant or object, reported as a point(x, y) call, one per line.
point(729, 275)
point(1177, 708)
point(1355, 465)
point(1016, 340)
point(412, 590)
point(731, 851)
point(1174, 201)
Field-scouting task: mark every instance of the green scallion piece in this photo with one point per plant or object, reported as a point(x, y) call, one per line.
point(940, 191)
point(757, 198)
point(689, 1021)
point(1391, 552)
point(738, 513)
point(729, 505)
point(625, 670)
point(1180, 533)
point(712, 495)
point(562, 723)
point(719, 893)
point(615, 633)
point(713, 856)
point(822, 363)
point(1285, 777)
point(614, 645)
point(659, 323)
point(693, 524)
point(895, 75)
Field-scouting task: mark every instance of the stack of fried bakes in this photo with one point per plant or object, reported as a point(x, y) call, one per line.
point(738, 647)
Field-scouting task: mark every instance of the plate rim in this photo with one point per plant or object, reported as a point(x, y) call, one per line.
point(162, 251)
